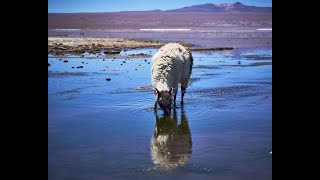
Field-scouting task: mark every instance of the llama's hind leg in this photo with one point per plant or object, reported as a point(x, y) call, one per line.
point(183, 90)
point(175, 97)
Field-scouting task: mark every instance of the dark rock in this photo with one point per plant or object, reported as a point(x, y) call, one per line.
point(62, 48)
point(65, 61)
point(48, 64)
point(139, 54)
point(80, 67)
point(113, 51)
point(108, 79)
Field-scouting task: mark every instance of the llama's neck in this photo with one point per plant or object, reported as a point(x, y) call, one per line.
point(162, 85)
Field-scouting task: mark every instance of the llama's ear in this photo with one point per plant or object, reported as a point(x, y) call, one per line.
point(156, 92)
point(172, 91)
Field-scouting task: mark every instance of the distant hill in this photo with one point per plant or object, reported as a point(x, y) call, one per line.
point(156, 10)
point(225, 7)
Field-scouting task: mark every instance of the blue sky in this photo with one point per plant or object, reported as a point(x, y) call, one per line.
point(136, 5)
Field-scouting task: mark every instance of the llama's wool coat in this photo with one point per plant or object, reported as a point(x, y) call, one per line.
point(171, 65)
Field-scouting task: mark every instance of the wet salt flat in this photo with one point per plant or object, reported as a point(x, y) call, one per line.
point(100, 129)
point(264, 29)
point(66, 29)
point(164, 29)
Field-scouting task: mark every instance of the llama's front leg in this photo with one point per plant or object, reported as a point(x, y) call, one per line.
point(155, 106)
point(174, 98)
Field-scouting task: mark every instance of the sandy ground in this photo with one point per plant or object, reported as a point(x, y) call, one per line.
point(138, 20)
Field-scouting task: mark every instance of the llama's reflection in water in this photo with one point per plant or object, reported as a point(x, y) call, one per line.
point(171, 143)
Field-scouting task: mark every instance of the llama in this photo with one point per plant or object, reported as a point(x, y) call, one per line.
point(171, 65)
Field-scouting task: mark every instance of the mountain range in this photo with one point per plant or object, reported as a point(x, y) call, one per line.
point(225, 7)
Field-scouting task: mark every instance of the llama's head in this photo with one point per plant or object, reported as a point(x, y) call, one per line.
point(164, 99)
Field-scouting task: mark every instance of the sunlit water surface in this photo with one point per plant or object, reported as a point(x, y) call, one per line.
point(99, 129)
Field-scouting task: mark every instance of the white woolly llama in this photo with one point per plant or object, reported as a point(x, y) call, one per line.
point(171, 65)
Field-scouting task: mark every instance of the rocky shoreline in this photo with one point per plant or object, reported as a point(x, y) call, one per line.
point(106, 47)
point(78, 46)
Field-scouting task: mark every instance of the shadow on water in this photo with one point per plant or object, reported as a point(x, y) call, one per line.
point(171, 143)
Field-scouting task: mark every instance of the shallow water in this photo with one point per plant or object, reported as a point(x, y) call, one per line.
point(100, 129)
